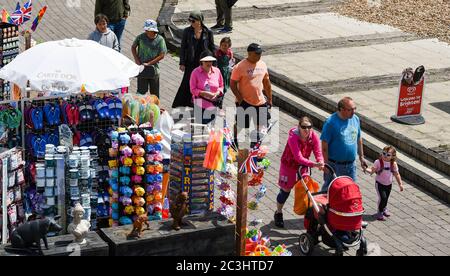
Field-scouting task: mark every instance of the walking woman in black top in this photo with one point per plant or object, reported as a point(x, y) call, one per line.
point(196, 39)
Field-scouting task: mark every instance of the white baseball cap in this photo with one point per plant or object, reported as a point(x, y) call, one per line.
point(151, 25)
point(208, 58)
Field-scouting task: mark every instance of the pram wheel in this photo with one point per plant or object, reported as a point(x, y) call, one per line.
point(362, 251)
point(306, 243)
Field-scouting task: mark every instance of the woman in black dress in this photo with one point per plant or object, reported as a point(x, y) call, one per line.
point(196, 39)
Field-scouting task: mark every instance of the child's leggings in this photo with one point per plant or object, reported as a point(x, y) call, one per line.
point(383, 195)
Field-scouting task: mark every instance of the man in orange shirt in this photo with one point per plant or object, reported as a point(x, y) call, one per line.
point(250, 84)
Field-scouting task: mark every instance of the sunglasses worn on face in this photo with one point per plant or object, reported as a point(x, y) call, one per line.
point(306, 127)
point(387, 154)
point(191, 20)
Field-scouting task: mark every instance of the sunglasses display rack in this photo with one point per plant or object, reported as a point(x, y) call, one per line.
point(187, 173)
point(12, 203)
point(9, 49)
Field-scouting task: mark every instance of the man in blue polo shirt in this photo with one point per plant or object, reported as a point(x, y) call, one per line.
point(342, 142)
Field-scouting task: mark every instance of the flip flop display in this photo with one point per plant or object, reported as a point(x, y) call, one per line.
point(37, 118)
point(52, 114)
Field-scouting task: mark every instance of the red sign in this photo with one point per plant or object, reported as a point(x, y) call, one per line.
point(410, 99)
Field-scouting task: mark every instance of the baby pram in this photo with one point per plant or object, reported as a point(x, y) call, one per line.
point(335, 217)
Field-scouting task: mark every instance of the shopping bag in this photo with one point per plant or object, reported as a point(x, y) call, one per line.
point(301, 198)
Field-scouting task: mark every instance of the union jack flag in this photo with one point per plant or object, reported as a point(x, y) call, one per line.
point(22, 15)
point(251, 163)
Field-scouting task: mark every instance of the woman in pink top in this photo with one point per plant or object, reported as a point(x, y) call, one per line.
point(301, 143)
point(206, 88)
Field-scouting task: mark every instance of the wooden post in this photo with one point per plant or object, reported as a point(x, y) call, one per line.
point(241, 206)
point(27, 36)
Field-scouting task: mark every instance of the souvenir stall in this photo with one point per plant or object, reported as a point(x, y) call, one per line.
point(63, 121)
point(61, 134)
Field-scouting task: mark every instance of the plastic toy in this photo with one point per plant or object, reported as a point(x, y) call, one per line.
point(138, 151)
point(138, 170)
point(114, 173)
point(150, 198)
point(112, 164)
point(129, 210)
point(125, 180)
point(136, 179)
point(124, 138)
point(115, 215)
point(125, 170)
point(150, 188)
point(139, 191)
point(125, 200)
point(126, 151)
point(137, 139)
point(140, 211)
point(114, 135)
point(125, 221)
point(138, 160)
point(149, 138)
point(157, 187)
point(126, 191)
point(138, 201)
point(158, 196)
point(127, 161)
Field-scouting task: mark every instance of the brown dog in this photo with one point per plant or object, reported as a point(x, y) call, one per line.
point(137, 226)
point(178, 209)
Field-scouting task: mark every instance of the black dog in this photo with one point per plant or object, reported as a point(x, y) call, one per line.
point(31, 233)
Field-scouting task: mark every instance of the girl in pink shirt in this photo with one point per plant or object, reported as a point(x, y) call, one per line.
point(301, 143)
point(386, 168)
point(206, 88)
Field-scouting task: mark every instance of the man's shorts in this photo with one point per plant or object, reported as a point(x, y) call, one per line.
point(259, 114)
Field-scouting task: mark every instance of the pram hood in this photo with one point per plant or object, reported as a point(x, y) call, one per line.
point(345, 204)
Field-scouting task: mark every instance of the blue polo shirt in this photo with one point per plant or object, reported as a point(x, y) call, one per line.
point(342, 137)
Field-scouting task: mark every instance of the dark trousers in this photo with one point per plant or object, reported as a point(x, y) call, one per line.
point(245, 113)
point(145, 85)
point(224, 13)
point(118, 29)
point(384, 191)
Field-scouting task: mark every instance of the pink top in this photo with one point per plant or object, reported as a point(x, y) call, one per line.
point(297, 152)
point(200, 79)
point(386, 175)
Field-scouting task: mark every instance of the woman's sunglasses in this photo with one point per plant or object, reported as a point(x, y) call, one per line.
point(306, 127)
point(191, 20)
point(387, 154)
